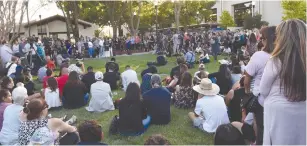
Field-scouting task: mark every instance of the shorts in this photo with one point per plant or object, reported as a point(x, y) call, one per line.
point(198, 123)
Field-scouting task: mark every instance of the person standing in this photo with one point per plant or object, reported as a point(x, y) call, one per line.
point(283, 86)
point(6, 53)
point(215, 46)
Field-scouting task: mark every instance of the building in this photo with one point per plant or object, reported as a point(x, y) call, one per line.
point(271, 11)
point(55, 26)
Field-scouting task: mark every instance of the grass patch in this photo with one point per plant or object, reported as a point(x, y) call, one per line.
point(179, 131)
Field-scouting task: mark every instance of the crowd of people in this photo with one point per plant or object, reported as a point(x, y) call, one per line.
point(253, 98)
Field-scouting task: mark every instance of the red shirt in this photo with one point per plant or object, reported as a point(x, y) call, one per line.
point(61, 83)
point(45, 79)
point(50, 65)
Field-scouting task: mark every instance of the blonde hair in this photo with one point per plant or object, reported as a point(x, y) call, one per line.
point(290, 50)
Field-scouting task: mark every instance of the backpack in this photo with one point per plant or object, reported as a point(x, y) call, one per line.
point(114, 125)
point(4, 71)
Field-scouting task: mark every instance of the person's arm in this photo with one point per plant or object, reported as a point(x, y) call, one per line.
point(269, 76)
point(198, 109)
point(58, 125)
point(250, 71)
point(229, 97)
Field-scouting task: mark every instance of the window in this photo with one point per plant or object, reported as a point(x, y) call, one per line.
point(240, 11)
point(41, 29)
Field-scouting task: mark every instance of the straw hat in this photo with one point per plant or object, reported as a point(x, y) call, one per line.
point(206, 87)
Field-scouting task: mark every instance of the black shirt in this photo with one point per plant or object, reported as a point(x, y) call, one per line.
point(108, 64)
point(235, 111)
point(148, 70)
point(224, 83)
point(111, 78)
point(131, 114)
point(30, 88)
point(174, 70)
point(157, 102)
point(88, 79)
point(73, 95)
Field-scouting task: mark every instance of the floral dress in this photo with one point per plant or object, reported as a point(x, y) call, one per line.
point(184, 97)
point(28, 128)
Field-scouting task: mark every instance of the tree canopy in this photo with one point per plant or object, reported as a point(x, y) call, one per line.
point(294, 9)
point(226, 20)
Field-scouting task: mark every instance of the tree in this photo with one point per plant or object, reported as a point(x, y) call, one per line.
point(226, 20)
point(251, 22)
point(294, 9)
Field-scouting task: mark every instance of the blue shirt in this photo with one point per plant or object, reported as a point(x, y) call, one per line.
point(145, 86)
point(157, 101)
point(189, 56)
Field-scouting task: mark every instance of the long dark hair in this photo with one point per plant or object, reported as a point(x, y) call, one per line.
point(5, 82)
point(224, 71)
point(290, 50)
point(133, 93)
point(186, 80)
point(73, 77)
point(252, 38)
point(268, 35)
point(53, 84)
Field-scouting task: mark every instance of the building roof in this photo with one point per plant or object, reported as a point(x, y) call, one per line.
point(56, 17)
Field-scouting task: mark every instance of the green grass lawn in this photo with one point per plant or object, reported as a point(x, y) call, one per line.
point(179, 131)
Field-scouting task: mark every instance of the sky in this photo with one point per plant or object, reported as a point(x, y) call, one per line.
point(43, 8)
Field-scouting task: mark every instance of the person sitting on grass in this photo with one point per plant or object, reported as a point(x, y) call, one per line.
point(204, 57)
point(190, 58)
point(78, 67)
point(41, 73)
point(90, 133)
point(158, 95)
point(111, 77)
point(74, 92)
point(157, 139)
point(201, 68)
point(62, 80)
point(146, 86)
point(236, 74)
point(133, 120)
point(89, 78)
point(37, 129)
point(113, 61)
point(45, 79)
point(234, 133)
point(150, 68)
point(128, 77)
point(51, 94)
point(50, 63)
point(7, 83)
point(180, 60)
point(210, 111)
point(11, 122)
point(101, 94)
point(183, 97)
point(223, 79)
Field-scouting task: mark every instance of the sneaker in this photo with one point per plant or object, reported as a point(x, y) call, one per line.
point(72, 120)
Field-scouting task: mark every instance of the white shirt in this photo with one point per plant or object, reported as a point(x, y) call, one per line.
point(101, 97)
point(6, 54)
point(74, 67)
point(27, 48)
point(128, 77)
point(11, 124)
point(16, 48)
point(12, 69)
point(101, 43)
point(90, 44)
point(213, 110)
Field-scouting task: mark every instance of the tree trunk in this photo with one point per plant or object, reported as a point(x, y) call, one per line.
point(75, 17)
point(67, 19)
point(14, 23)
point(138, 22)
point(29, 31)
point(177, 15)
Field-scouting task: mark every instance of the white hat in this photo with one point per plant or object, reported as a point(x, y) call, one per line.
point(206, 87)
point(99, 76)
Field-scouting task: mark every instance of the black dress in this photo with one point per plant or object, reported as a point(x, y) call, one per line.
point(234, 108)
point(224, 83)
point(111, 78)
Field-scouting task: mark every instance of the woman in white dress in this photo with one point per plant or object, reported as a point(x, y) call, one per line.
point(52, 94)
point(101, 95)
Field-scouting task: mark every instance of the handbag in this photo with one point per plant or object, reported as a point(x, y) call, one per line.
point(249, 102)
point(114, 125)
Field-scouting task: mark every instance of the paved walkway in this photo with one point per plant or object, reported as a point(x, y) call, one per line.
point(133, 54)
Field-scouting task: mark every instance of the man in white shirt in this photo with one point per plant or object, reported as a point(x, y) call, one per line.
point(101, 51)
point(210, 111)
point(128, 77)
point(6, 54)
point(12, 65)
point(78, 67)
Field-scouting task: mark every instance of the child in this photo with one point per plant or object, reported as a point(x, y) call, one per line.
point(45, 78)
point(50, 63)
point(52, 94)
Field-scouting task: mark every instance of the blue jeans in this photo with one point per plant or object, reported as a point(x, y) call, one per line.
point(101, 51)
point(90, 52)
point(146, 123)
